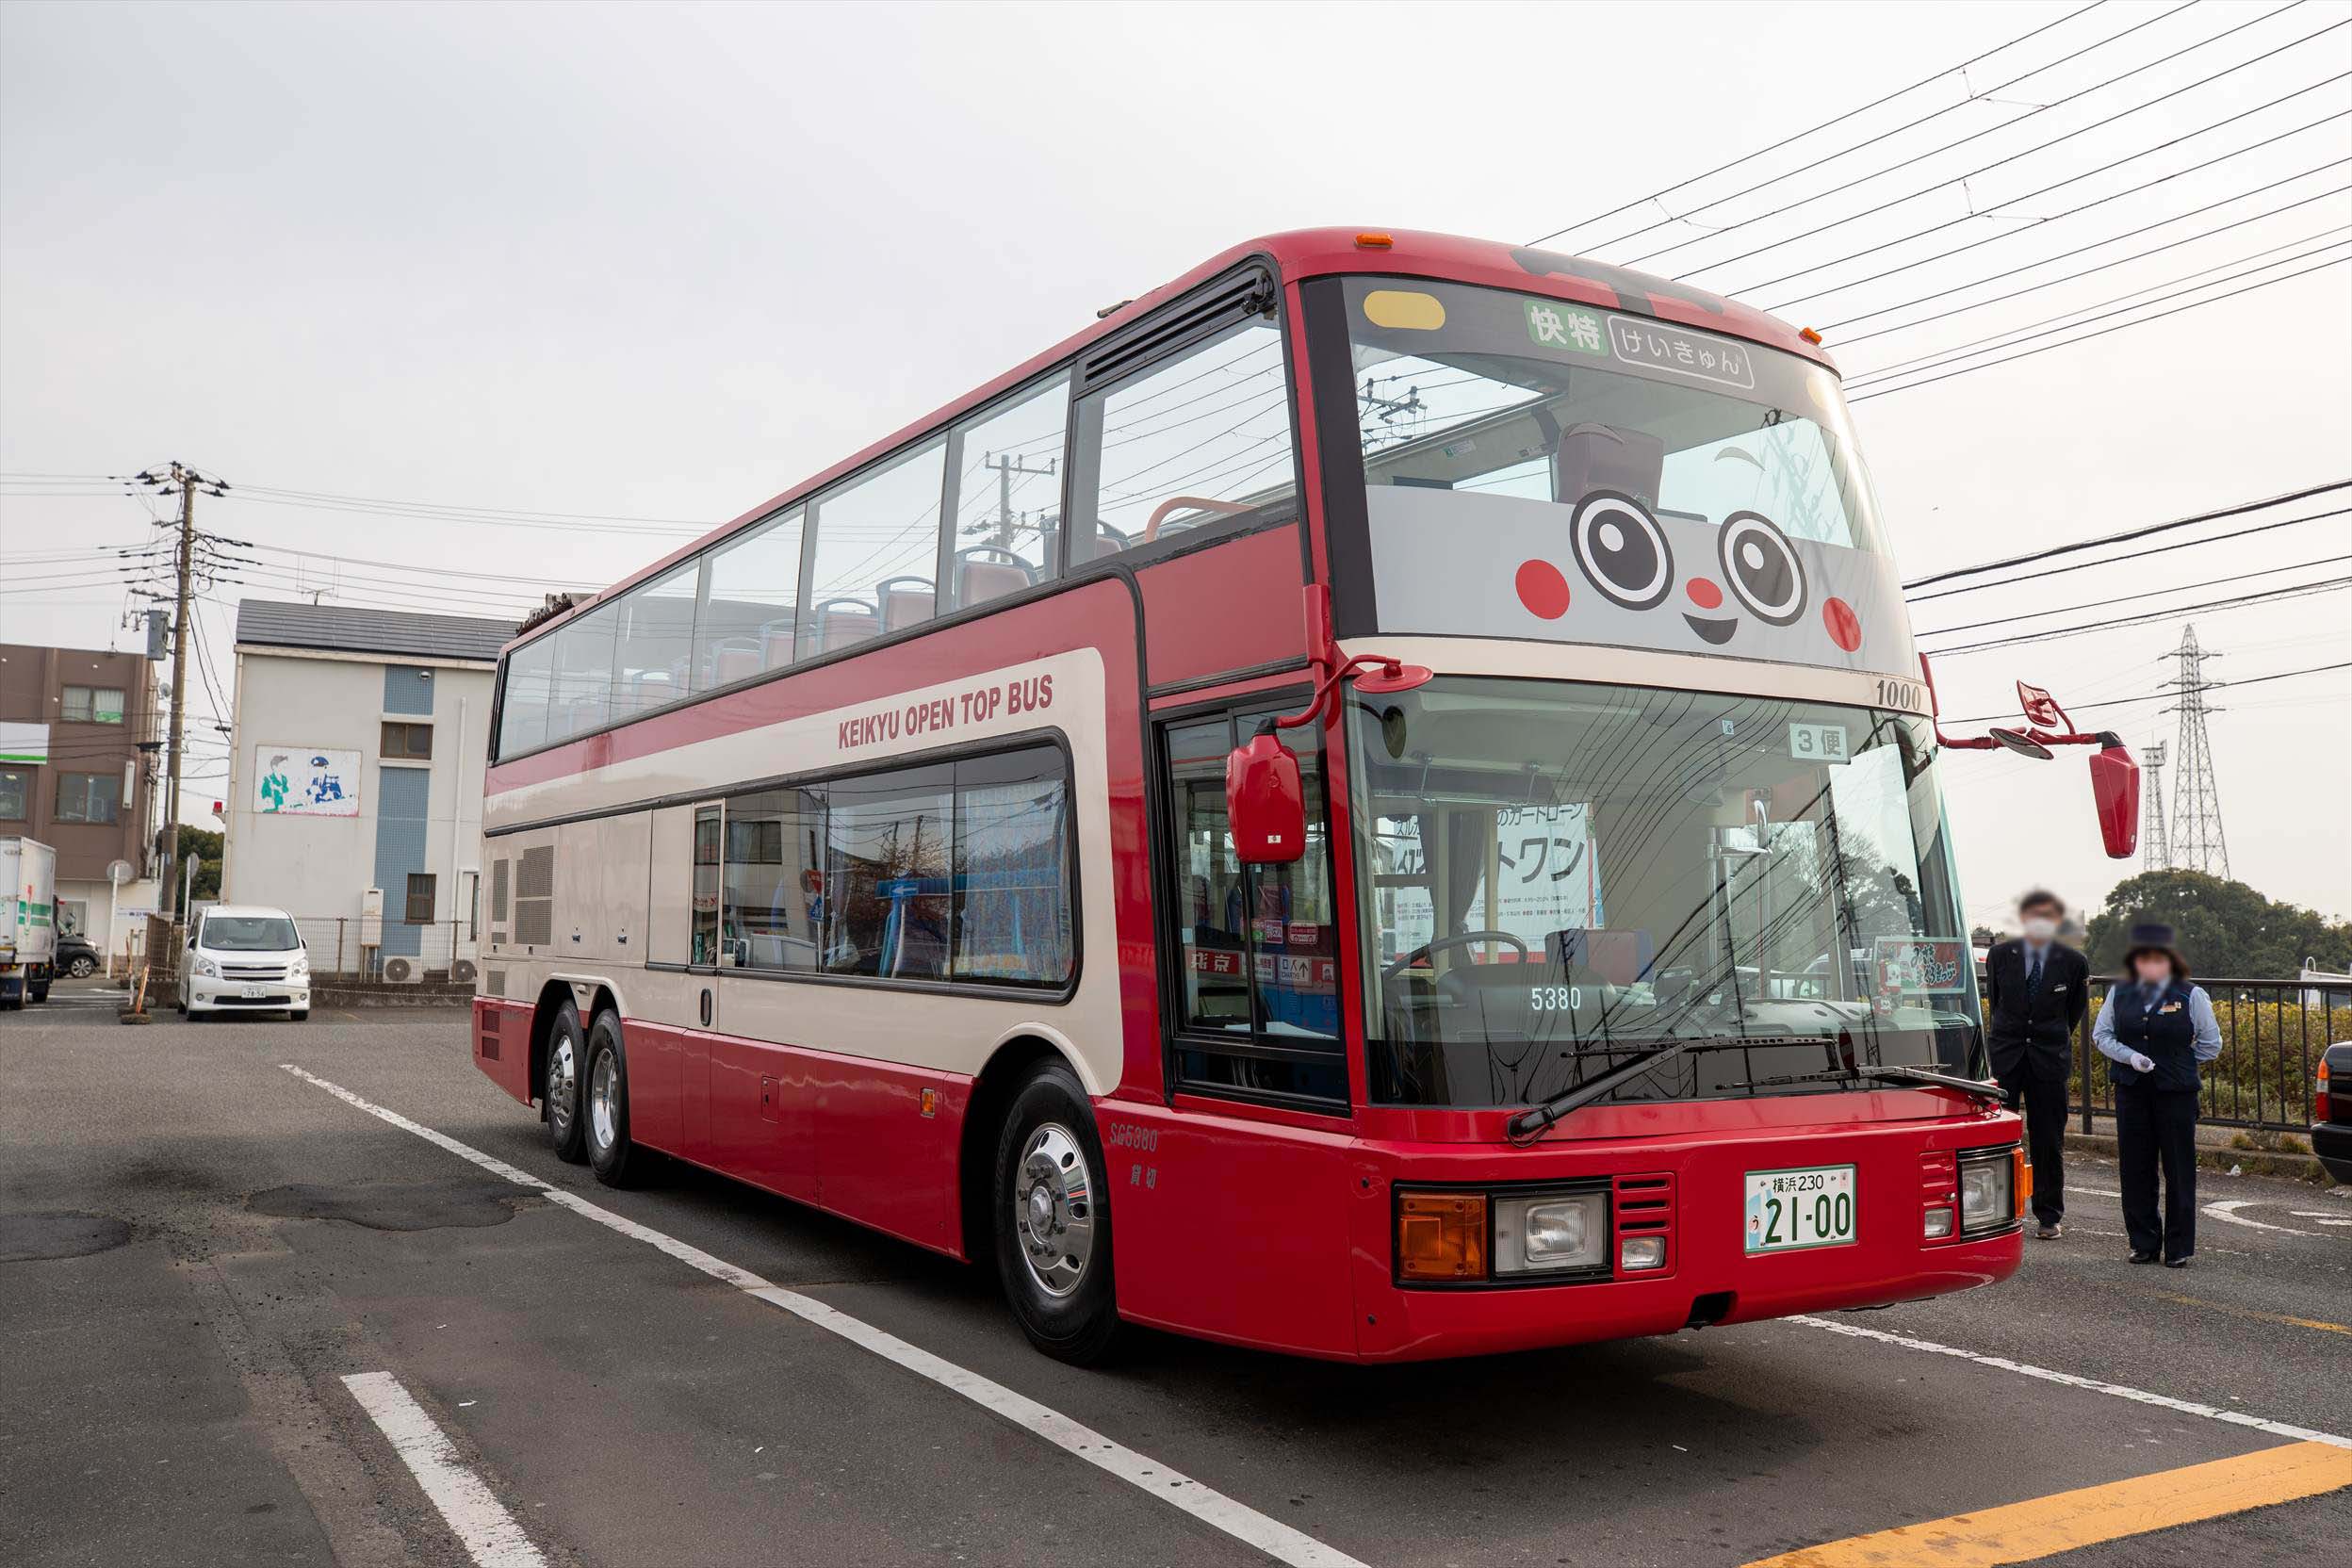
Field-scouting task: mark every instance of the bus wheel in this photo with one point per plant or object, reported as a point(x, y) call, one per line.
point(610, 1154)
point(566, 1066)
point(1054, 1219)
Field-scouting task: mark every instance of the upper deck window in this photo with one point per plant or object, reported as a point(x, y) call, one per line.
point(1007, 530)
point(878, 555)
point(1534, 467)
point(1198, 443)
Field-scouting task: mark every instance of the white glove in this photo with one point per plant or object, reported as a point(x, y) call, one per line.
point(2141, 1064)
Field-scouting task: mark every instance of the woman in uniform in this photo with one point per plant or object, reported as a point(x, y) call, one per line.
point(2154, 1030)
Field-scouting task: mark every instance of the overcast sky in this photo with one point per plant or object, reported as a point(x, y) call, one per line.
point(662, 261)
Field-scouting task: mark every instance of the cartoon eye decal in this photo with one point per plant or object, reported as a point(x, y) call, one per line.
point(1762, 568)
point(1622, 550)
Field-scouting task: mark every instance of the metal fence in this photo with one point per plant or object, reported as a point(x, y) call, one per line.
point(2272, 1035)
point(400, 950)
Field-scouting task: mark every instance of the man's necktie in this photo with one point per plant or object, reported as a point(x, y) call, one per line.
point(2034, 975)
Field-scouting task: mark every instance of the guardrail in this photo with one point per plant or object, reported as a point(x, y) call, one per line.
point(2272, 1034)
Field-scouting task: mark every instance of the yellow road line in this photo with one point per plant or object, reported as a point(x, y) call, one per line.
point(2020, 1532)
point(2248, 1312)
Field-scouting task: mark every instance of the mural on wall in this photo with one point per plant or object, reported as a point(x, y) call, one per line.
point(297, 781)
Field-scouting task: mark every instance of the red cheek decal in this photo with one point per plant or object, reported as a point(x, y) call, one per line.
point(1542, 589)
point(1704, 593)
point(1845, 628)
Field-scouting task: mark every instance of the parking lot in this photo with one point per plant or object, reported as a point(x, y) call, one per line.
point(306, 1293)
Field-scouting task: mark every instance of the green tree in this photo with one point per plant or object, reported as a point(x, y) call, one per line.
point(200, 845)
point(2225, 928)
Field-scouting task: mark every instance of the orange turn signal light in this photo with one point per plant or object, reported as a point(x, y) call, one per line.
point(1441, 1235)
point(1371, 241)
point(2020, 1179)
point(1810, 335)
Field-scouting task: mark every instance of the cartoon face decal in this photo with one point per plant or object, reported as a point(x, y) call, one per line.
point(1622, 550)
point(1612, 571)
point(1762, 567)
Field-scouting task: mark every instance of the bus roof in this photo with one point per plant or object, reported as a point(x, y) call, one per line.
point(1299, 254)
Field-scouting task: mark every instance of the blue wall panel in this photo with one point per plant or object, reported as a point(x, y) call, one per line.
point(403, 795)
point(407, 690)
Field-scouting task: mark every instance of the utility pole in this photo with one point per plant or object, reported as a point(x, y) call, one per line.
point(186, 482)
point(1007, 467)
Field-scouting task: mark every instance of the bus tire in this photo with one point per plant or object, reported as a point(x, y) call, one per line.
point(604, 1100)
point(1054, 1219)
point(566, 1072)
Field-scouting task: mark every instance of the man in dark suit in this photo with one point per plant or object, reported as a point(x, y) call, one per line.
point(2036, 990)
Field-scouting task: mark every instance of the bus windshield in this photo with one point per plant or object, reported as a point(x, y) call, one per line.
point(1553, 876)
point(1538, 468)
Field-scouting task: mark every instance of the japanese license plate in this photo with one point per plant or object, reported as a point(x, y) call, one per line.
point(1787, 1210)
point(253, 993)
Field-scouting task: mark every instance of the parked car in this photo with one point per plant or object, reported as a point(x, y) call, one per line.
point(2331, 1111)
point(244, 958)
point(77, 959)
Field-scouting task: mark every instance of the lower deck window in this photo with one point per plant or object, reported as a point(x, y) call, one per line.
point(952, 872)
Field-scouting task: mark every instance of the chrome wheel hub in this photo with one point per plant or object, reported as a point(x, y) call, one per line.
point(604, 1094)
point(562, 1076)
point(1054, 1209)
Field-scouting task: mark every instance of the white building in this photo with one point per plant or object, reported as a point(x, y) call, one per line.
point(358, 743)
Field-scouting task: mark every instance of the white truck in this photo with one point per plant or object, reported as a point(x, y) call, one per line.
point(29, 920)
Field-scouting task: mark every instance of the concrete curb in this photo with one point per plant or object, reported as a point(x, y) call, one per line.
point(2248, 1162)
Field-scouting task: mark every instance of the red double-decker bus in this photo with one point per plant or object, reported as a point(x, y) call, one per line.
point(1376, 803)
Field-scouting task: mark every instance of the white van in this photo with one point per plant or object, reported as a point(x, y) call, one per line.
point(244, 958)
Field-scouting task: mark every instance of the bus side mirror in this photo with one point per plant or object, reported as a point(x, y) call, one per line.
point(1266, 807)
point(2115, 790)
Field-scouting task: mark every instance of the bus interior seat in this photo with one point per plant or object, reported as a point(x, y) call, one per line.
point(984, 580)
point(906, 601)
point(1603, 457)
point(733, 662)
point(843, 623)
point(776, 643)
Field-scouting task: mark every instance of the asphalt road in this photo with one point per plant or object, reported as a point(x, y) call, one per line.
point(198, 1248)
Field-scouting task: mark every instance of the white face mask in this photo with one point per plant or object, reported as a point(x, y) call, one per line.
point(2041, 928)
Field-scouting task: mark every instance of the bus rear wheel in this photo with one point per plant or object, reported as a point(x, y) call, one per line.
point(567, 1053)
point(1054, 1219)
point(611, 1154)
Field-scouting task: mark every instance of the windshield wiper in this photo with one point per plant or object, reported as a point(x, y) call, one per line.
point(1916, 1076)
point(1526, 1126)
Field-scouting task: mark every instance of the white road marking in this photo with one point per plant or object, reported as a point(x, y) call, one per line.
point(490, 1534)
point(2227, 1212)
point(1211, 1507)
point(2095, 1192)
point(2186, 1407)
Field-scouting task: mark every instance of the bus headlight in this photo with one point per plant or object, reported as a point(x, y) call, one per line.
point(1545, 1233)
point(1986, 1195)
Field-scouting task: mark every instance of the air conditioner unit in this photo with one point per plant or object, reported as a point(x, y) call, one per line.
point(402, 972)
point(462, 970)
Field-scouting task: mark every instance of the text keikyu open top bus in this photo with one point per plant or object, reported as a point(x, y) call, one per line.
point(1378, 803)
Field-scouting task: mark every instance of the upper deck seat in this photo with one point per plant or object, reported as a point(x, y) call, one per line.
point(843, 623)
point(906, 601)
point(733, 662)
point(1602, 457)
point(991, 580)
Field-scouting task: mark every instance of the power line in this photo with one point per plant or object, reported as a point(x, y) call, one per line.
point(1990, 130)
point(2238, 602)
point(2131, 555)
point(2016, 293)
point(2126, 598)
point(2056, 185)
point(2060, 255)
point(2085, 337)
point(1837, 120)
point(2066, 321)
point(2167, 696)
point(2125, 535)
